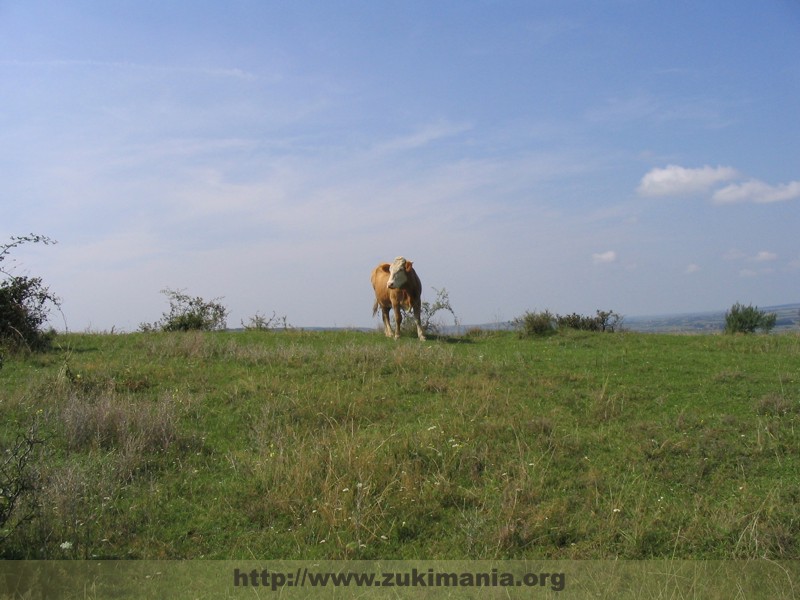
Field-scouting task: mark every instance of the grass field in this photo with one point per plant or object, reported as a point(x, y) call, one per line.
point(334, 445)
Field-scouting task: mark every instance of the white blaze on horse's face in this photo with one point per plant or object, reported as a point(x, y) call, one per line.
point(397, 274)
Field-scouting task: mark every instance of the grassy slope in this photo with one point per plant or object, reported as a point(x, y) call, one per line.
point(349, 445)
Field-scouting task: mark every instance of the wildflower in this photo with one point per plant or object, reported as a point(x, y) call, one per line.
point(66, 545)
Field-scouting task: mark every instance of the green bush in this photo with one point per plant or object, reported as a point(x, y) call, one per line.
point(746, 319)
point(533, 324)
point(25, 303)
point(604, 320)
point(189, 314)
point(579, 322)
point(536, 324)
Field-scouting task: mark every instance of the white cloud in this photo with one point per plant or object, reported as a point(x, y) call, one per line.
point(692, 268)
point(762, 256)
point(674, 180)
point(129, 66)
point(754, 265)
point(601, 258)
point(422, 137)
point(734, 254)
point(756, 191)
point(765, 256)
point(624, 109)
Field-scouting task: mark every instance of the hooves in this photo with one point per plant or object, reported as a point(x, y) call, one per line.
point(397, 337)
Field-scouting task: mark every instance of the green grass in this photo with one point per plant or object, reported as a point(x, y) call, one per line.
point(334, 445)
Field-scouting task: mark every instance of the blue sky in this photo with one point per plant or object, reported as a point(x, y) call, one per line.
point(639, 156)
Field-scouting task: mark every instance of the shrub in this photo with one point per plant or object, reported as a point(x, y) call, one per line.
point(608, 320)
point(428, 312)
point(536, 324)
point(746, 319)
point(189, 314)
point(579, 322)
point(604, 320)
point(544, 323)
point(259, 322)
point(25, 303)
point(19, 480)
